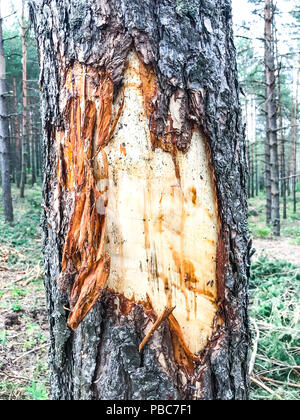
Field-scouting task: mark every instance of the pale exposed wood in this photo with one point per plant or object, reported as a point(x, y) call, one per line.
point(161, 232)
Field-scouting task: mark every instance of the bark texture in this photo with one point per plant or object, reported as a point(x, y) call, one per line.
point(24, 154)
point(188, 45)
point(271, 108)
point(4, 138)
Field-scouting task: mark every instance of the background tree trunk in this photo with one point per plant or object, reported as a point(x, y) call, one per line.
point(4, 137)
point(272, 116)
point(141, 112)
point(24, 112)
point(17, 135)
point(294, 131)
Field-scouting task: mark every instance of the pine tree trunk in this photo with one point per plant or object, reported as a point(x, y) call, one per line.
point(32, 140)
point(294, 131)
point(256, 169)
point(272, 116)
point(24, 112)
point(145, 200)
point(267, 177)
point(282, 150)
point(4, 138)
point(37, 141)
point(17, 135)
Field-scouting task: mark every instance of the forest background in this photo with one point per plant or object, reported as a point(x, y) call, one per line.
point(273, 188)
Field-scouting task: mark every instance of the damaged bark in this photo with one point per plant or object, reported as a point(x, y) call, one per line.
point(145, 235)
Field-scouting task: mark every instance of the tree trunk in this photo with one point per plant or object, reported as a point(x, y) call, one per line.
point(281, 145)
point(17, 135)
point(294, 131)
point(282, 149)
point(31, 136)
point(37, 140)
point(267, 177)
point(24, 114)
point(272, 116)
point(256, 169)
point(145, 232)
point(4, 137)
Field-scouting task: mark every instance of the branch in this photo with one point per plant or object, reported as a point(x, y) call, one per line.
point(255, 347)
point(167, 312)
point(289, 177)
point(12, 37)
point(6, 17)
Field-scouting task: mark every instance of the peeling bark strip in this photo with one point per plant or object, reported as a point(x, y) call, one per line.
point(145, 179)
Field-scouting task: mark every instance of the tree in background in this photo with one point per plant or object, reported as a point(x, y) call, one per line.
point(271, 116)
point(22, 72)
point(4, 137)
point(252, 70)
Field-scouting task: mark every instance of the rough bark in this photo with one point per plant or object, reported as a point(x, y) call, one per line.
point(18, 158)
point(267, 166)
point(281, 151)
point(4, 138)
point(188, 71)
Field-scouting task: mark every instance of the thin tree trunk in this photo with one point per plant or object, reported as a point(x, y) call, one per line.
point(145, 200)
point(37, 141)
point(282, 150)
point(281, 145)
point(272, 116)
point(294, 130)
point(256, 169)
point(31, 137)
point(267, 169)
point(4, 137)
point(24, 114)
point(17, 135)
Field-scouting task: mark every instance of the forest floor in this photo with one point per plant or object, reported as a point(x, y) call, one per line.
point(274, 310)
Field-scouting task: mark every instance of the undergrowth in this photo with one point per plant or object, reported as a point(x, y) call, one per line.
point(274, 296)
point(20, 242)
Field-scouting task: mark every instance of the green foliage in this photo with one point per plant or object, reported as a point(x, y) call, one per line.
point(257, 223)
point(16, 307)
point(275, 291)
point(36, 391)
point(263, 232)
point(24, 235)
point(34, 336)
point(3, 338)
point(13, 56)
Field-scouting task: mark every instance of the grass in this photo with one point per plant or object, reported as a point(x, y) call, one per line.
point(22, 299)
point(23, 236)
point(290, 227)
